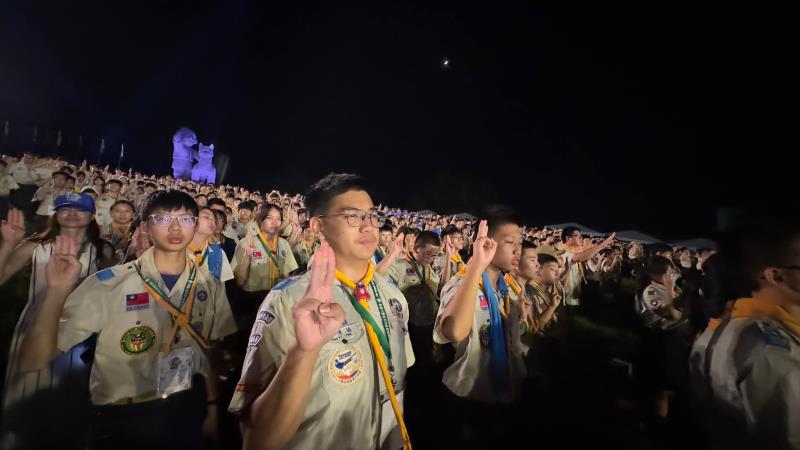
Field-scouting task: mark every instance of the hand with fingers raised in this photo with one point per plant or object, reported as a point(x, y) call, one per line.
point(317, 318)
point(63, 270)
point(484, 247)
point(13, 228)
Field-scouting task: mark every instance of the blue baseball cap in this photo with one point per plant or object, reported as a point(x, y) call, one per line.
point(80, 201)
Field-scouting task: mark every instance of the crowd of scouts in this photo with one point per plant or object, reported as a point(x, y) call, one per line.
point(163, 313)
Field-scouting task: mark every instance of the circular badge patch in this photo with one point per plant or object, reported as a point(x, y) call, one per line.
point(397, 307)
point(137, 340)
point(483, 335)
point(346, 365)
point(202, 296)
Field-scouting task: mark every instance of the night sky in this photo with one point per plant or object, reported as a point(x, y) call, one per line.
point(647, 116)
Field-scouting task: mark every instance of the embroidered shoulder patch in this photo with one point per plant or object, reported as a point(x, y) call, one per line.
point(285, 283)
point(105, 274)
point(772, 337)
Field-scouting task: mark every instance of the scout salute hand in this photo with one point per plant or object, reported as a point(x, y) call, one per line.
point(397, 250)
point(13, 228)
point(484, 247)
point(457, 316)
point(277, 413)
point(316, 318)
point(63, 270)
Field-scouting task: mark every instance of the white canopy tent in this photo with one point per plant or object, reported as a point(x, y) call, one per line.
point(638, 236)
point(697, 243)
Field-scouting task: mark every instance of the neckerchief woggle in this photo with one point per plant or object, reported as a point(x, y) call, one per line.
point(498, 358)
point(272, 253)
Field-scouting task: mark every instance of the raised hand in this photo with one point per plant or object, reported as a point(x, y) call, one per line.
point(251, 247)
point(609, 240)
point(63, 269)
point(140, 242)
point(398, 243)
point(317, 318)
point(484, 247)
point(13, 228)
point(449, 249)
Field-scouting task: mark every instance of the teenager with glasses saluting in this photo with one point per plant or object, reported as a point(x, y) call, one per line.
point(329, 350)
point(156, 320)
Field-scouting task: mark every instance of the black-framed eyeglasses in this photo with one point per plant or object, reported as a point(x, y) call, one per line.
point(356, 217)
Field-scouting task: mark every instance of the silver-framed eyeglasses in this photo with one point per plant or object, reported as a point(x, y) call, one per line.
point(186, 220)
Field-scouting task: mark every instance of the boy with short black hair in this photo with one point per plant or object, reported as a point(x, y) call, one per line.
point(477, 316)
point(329, 351)
point(155, 319)
point(385, 236)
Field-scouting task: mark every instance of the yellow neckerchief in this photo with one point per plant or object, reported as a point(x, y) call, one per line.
point(273, 270)
point(713, 323)
point(181, 318)
point(309, 247)
point(197, 252)
point(456, 258)
point(748, 307)
point(376, 349)
point(512, 283)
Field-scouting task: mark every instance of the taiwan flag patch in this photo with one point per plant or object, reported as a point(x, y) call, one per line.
point(134, 302)
point(483, 302)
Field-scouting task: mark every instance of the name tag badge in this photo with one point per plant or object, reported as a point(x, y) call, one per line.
point(175, 371)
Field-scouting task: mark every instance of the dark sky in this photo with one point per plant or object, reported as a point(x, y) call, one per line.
point(644, 116)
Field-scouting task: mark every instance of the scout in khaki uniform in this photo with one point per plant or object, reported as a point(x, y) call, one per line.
point(304, 249)
point(656, 303)
point(752, 360)
point(453, 241)
point(329, 350)
point(155, 319)
point(105, 200)
point(384, 243)
point(415, 277)
point(205, 254)
point(574, 257)
point(263, 258)
point(476, 315)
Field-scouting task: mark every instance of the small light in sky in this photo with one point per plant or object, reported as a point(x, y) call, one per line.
point(445, 63)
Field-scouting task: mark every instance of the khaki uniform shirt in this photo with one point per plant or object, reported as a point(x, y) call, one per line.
point(422, 299)
point(754, 382)
point(303, 252)
point(131, 326)
point(469, 376)
point(102, 207)
point(263, 273)
point(348, 404)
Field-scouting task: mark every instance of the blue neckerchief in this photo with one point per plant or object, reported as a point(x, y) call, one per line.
point(215, 260)
point(378, 257)
point(498, 359)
